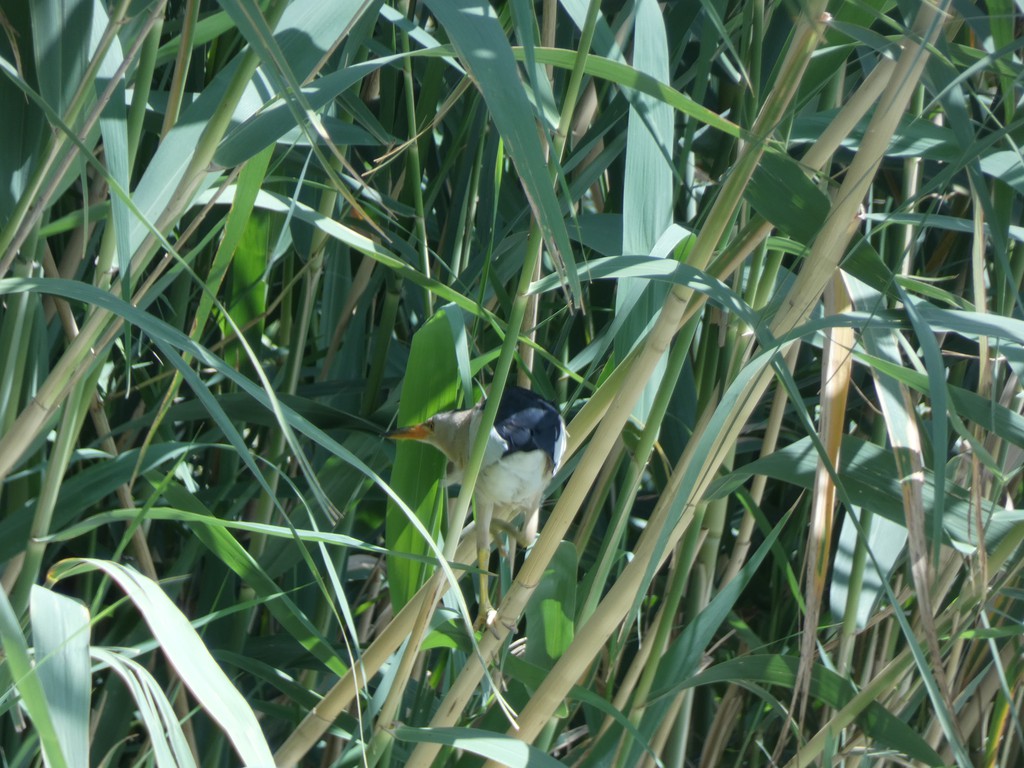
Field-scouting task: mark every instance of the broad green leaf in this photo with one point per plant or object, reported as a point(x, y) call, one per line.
point(22, 129)
point(63, 43)
point(247, 286)
point(885, 540)
point(60, 634)
point(854, 572)
point(648, 192)
point(304, 33)
point(631, 78)
point(114, 129)
point(246, 254)
point(1007, 166)
point(781, 192)
point(431, 385)
point(913, 137)
point(552, 608)
point(20, 676)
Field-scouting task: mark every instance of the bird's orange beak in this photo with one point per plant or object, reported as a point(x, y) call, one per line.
point(416, 432)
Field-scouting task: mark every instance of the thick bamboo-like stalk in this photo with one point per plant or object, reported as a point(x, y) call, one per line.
point(769, 442)
point(836, 375)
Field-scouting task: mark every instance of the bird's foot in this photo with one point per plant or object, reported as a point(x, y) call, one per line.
point(485, 619)
point(488, 619)
point(514, 532)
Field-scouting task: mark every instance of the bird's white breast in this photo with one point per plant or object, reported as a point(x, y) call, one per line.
point(518, 479)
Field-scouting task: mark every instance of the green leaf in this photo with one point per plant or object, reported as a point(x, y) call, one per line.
point(431, 385)
point(303, 35)
point(226, 548)
point(114, 129)
point(19, 671)
point(274, 122)
point(827, 687)
point(23, 127)
point(648, 193)
point(63, 40)
point(936, 369)
point(270, 201)
point(169, 744)
point(781, 192)
point(633, 79)
point(1007, 166)
point(60, 633)
point(549, 614)
point(506, 750)
point(684, 655)
point(869, 479)
point(186, 652)
point(477, 35)
point(90, 484)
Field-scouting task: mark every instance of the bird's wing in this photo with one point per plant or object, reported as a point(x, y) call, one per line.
point(527, 422)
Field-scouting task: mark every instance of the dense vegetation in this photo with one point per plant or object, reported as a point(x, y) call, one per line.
point(765, 258)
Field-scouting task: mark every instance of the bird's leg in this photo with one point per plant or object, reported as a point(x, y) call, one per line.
point(484, 515)
point(513, 531)
point(531, 522)
point(507, 520)
point(522, 534)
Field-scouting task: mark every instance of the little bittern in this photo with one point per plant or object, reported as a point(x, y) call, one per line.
point(523, 451)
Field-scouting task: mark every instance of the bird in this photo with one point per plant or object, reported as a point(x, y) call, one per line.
point(524, 451)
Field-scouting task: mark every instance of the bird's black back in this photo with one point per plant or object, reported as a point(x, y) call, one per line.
point(528, 422)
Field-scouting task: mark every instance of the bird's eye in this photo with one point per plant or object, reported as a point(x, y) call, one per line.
point(430, 423)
